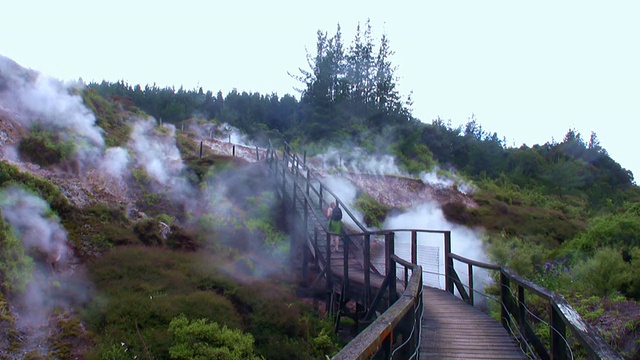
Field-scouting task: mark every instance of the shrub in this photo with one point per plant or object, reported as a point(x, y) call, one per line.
point(15, 264)
point(149, 232)
point(48, 191)
point(515, 253)
point(603, 274)
point(620, 231)
point(45, 147)
point(200, 339)
point(374, 212)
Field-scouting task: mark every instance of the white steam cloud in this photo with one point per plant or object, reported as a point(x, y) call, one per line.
point(358, 160)
point(464, 241)
point(425, 215)
point(36, 97)
point(115, 163)
point(53, 285)
point(156, 151)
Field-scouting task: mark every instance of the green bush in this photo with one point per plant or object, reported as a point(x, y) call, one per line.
point(44, 147)
point(200, 339)
point(517, 254)
point(48, 191)
point(149, 232)
point(374, 212)
point(15, 264)
point(634, 288)
point(620, 231)
point(603, 274)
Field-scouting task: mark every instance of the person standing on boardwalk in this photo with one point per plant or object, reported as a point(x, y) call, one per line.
point(334, 213)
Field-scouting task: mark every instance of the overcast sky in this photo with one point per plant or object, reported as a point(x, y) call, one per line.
point(529, 71)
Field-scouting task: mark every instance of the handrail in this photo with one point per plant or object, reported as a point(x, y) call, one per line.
point(380, 335)
point(291, 158)
point(369, 341)
point(562, 315)
point(289, 151)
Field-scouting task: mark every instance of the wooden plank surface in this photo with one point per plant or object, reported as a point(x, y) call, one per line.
point(452, 329)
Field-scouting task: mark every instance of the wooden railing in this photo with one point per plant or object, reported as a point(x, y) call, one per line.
point(561, 316)
point(395, 333)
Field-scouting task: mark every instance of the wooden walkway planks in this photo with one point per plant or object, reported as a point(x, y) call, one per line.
point(452, 329)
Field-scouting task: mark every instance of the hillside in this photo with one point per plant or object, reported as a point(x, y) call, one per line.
point(134, 194)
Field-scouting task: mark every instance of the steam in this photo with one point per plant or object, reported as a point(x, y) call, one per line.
point(426, 215)
point(156, 151)
point(234, 135)
point(465, 242)
point(358, 160)
point(37, 98)
point(433, 178)
point(52, 287)
point(347, 192)
point(115, 163)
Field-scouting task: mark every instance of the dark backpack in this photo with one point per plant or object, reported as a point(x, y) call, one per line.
point(336, 214)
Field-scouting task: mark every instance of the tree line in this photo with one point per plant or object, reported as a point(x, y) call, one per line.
point(349, 95)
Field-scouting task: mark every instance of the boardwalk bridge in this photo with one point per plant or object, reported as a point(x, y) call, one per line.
point(400, 313)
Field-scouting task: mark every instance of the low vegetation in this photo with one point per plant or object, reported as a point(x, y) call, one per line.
point(161, 296)
point(562, 214)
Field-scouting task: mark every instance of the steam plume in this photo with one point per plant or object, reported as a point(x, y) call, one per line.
point(34, 97)
point(52, 286)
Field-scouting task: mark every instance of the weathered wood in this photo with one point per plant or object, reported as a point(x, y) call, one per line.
point(454, 330)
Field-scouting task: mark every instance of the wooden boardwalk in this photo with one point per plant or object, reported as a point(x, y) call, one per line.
point(452, 329)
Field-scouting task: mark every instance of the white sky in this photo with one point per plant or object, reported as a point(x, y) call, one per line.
point(529, 71)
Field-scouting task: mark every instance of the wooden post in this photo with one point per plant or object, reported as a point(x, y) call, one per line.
point(557, 328)
point(284, 182)
point(367, 271)
point(200, 149)
point(257, 154)
point(389, 241)
point(505, 299)
point(315, 245)
point(345, 265)
point(233, 151)
point(414, 247)
point(448, 261)
point(294, 196)
point(328, 272)
point(522, 310)
point(305, 265)
point(470, 270)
